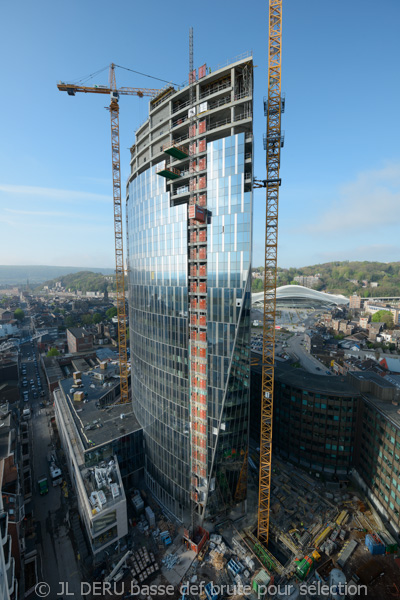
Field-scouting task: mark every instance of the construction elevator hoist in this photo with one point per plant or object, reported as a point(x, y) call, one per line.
point(114, 94)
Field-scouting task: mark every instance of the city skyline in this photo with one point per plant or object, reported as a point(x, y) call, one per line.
point(337, 167)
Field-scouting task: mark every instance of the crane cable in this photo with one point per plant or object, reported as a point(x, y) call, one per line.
point(87, 77)
point(145, 75)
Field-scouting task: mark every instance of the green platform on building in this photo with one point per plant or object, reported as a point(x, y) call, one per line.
point(176, 151)
point(169, 173)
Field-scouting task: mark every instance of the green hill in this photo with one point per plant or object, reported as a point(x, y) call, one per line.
point(347, 277)
point(84, 281)
point(19, 274)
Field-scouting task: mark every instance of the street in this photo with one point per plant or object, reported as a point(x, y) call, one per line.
point(308, 362)
point(57, 559)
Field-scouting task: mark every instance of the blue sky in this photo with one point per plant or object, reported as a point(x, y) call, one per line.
point(340, 168)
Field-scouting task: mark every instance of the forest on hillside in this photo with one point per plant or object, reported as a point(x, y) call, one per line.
point(347, 277)
point(84, 281)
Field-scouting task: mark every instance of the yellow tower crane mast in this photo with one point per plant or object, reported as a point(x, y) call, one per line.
point(273, 143)
point(114, 93)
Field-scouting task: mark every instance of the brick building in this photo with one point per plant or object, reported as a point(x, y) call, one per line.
point(79, 340)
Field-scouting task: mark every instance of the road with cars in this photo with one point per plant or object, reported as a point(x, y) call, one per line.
point(58, 562)
point(32, 381)
point(294, 344)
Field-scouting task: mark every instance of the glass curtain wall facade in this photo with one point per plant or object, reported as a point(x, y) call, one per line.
point(228, 330)
point(158, 299)
point(158, 313)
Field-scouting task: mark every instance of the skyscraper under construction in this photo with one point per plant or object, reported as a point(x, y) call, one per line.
point(189, 213)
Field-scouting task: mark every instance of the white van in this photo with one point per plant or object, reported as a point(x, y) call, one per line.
point(26, 414)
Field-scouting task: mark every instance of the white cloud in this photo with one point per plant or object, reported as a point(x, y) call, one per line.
point(372, 252)
point(54, 193)
point(39, 213)
point(369, 202)
point(103, 218)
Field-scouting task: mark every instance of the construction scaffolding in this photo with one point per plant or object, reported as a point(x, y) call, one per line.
point(197, 310)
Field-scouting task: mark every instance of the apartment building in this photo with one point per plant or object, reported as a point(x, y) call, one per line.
point(103, 446)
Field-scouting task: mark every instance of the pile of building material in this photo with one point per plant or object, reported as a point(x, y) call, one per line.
point(151, 519)
point(170, 561)
point(217, 560)
point(143, 525)
point(346, 552)
point(142, 565)
point(391, 545)
point(137, 501)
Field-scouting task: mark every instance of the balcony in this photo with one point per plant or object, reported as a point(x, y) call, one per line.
point(11, 576)
point(7, 552)
point(14, 505)
point(215, 89)
point(3, 527)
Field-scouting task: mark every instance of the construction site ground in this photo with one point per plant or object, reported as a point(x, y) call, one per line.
point(300, 503)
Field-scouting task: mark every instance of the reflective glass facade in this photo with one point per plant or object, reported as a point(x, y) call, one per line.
point(158, 301)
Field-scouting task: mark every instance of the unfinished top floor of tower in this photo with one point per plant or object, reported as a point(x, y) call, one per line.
point(221, 103)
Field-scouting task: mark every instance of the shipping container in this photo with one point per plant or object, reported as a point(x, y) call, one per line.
point(374, 544)
point(304, 567)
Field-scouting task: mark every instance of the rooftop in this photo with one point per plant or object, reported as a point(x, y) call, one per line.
point(389, 407)
point(78, 332)
point(53, 369)
point(80, 364)
point(383, 382)
point(97, 418)
point(297, 293)
point(326, 384)
point(392, 411)
point(103, 485)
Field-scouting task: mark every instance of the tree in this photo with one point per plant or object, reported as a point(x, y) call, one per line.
point(257, 285)
point(87, 319)
point(111, 312)
point(19, 314)
point(383, 316)
point(53, 352)
point(69, 321)
point(97, 318)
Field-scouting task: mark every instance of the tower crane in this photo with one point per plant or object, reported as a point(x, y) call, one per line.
point(274, 106)
point(114, 94)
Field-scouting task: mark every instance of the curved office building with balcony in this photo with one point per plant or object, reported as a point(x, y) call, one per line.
point(162, 241)
point(314, 418)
